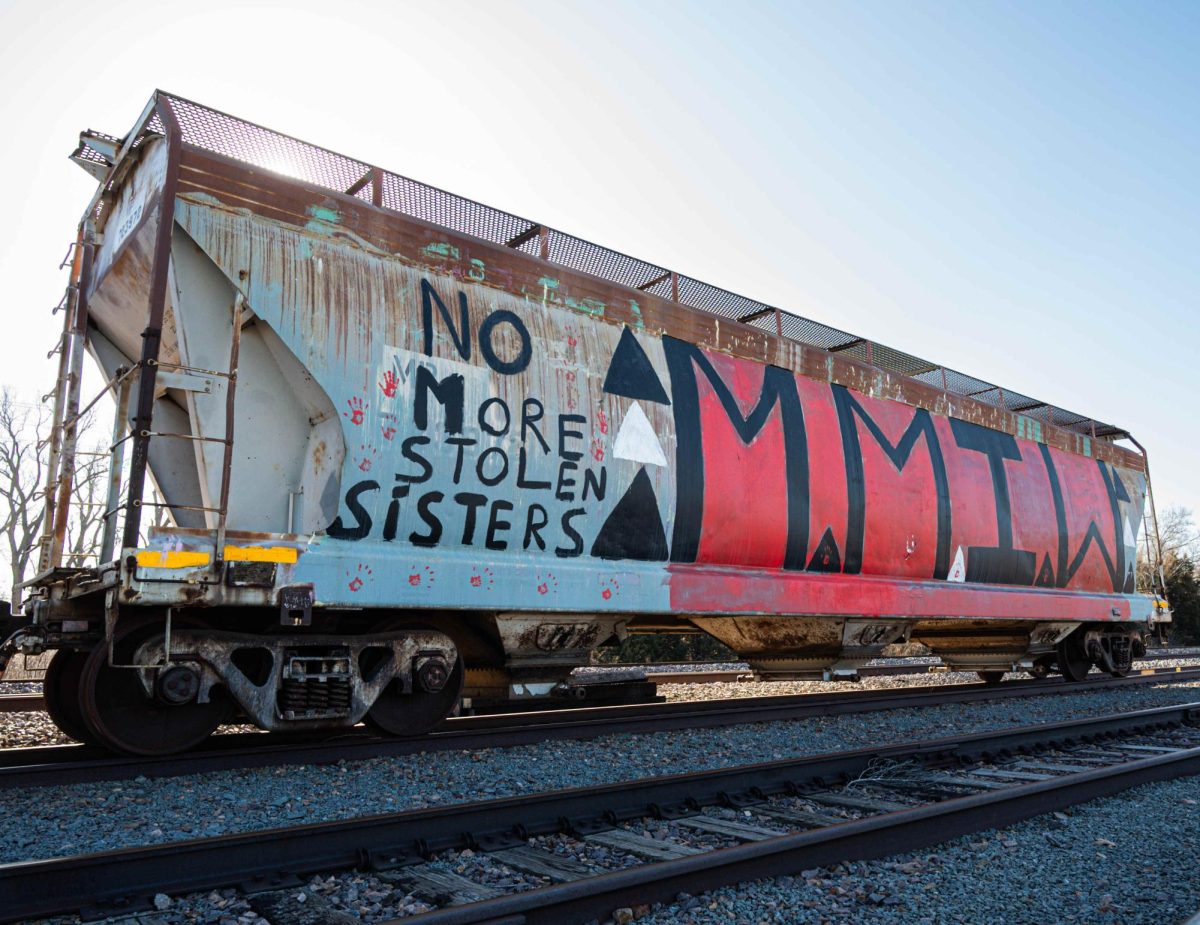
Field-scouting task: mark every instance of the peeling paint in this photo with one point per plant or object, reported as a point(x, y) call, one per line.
point(322, 214)
point(1029, 429)
point(592, 307)
point(441, 250)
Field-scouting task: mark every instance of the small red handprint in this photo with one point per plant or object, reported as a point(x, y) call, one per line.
point(388, 427)
point(360, 576)
point(420, 574)
point(368, 455)
point(389, 384)
point(357, 412)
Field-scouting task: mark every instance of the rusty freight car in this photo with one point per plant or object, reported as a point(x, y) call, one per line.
point(404, 445)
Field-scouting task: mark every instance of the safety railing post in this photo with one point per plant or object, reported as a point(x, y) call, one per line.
point(230, 396)
point(69, 422)
point(50, 492)
point(116, 465)
point(152, 335)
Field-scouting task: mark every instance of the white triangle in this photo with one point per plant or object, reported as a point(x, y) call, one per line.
point(958, 571)
point(636, 439)
point(1130, 542)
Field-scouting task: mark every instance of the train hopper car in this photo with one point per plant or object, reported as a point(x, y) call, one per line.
point(377, 446)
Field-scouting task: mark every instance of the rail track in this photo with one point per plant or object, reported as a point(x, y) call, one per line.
point(777, 817)
point(70, 764)
point(711, 676)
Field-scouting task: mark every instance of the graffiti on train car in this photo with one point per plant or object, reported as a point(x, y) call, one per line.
point(473, 438)
point(907, 493)
point(771, 469)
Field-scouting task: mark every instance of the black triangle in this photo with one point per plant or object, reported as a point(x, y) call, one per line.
point(826, 558)
point(634, 529)
point(630, 373)
point(1045, 575)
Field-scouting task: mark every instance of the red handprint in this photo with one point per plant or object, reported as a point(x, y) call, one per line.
point(389, 384)
point(360, 576)
point(421, 574)
point(357, 411)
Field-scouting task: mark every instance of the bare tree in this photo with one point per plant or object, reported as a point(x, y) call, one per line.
point(22, 479)
point(24, 429)
point(88, 496)
point(1178, 533)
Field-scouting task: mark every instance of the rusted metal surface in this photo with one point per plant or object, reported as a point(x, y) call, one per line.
point(152, 334)
point(287, 200)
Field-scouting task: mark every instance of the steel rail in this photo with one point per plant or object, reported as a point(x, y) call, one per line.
point(866, 671)
point(126, 879)
point(863, 839)
point(70, 764)
point(21, 703)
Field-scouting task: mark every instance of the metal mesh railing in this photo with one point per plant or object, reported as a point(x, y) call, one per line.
point(253, 144)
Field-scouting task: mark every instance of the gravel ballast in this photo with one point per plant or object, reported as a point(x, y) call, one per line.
point(56, 821)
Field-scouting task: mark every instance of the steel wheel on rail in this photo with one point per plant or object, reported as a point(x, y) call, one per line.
point(122, 716)
point(991, 678)
point(60, 689)
point(1074, 663)
point(431, 701)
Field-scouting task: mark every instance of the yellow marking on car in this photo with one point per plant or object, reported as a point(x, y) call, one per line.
point(171, 558)
point(286, 555)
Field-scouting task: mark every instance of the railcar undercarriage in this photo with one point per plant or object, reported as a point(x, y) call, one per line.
point(156, 679)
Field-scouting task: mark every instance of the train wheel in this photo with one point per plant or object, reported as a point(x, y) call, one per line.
point(400, 714)
point(1074, 663)
point(60, 689)
point(122, 717)
point(991, 678)
point(434, 697)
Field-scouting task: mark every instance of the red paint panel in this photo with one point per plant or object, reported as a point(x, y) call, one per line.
point(828, 502)
point(709, 590)
point(972, 502)
point(1034, 525)
point(745, 486)
point(900, 538)
point(745, 505)
point(1085, 498)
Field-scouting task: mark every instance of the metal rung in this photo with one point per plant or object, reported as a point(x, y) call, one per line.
point(198, 370)
point(156, 433)
point(112, 383)
point(176, 507)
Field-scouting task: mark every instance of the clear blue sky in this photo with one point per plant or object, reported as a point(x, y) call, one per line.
point(1010, 189)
